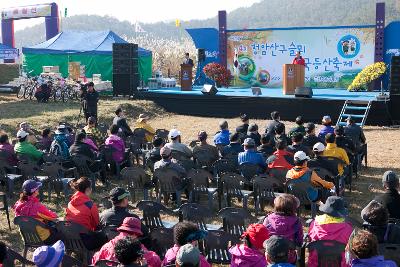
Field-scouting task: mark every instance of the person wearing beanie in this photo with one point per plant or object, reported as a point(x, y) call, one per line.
point(185, 233)
point(204, 147)
point(188, 255)
point(250, 253)
point(326, 127)
point(49, 256)
point(29, 204)
point(390, 199)
point(331, 225)
point(277, 251)
point(130, 227)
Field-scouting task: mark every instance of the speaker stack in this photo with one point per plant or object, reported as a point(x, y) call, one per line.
point(394, 87)
point(125, 69)
point(209, 89)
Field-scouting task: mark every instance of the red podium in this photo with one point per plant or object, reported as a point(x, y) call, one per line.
point(293, 76)
point(186, 77)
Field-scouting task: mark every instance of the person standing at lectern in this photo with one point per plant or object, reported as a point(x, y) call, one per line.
point(188, 60)
point(299, 60)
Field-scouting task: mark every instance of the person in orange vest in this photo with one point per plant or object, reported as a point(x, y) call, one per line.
point(299, 60)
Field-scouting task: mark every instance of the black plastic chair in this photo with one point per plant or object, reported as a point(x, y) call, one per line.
point(162, 133)
point(233, 186)
point(278, 173)
point(162, 239)
point(235, 220)
point(69, 261)
point(27, 227)
point(82, 164)
point(151, 214)
point(390, 252)
point(248, 171)
point(168, 182)
point(55, 172)
point(137, 180)
point(329, 252)
point(13, 256)
point(195, 213)
point(71, 233)
point(264, 190)
point(223, 166)
point(200, 184)
point(106, 263)
point(203, 158)
point(4, 206)
point(217, 244)
point(30, 170)
point(107, 152)
point(8, 179)
point(299, 190)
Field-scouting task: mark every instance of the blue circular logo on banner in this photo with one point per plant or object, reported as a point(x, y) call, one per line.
point(348, 46)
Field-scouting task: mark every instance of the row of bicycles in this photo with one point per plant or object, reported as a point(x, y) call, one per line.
point(56, 89)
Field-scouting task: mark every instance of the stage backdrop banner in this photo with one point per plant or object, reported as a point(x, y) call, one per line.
point(333, 55)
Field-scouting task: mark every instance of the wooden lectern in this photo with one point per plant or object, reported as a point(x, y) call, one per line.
point(186, 77)
point(293, 76)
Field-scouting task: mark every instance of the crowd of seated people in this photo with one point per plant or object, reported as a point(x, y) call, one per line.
point(272, 242)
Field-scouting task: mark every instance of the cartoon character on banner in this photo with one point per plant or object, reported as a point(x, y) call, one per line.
point(236, 66)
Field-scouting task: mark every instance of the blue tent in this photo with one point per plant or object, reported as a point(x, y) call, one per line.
point(7, 52)
point(92, 48)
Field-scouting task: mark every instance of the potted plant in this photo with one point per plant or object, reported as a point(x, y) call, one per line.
point(219, 74)
point(364, 79)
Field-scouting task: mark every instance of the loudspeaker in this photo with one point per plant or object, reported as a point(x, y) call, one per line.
point(201, 54)
point(125, 68)
point(394, 85)
point(209, 89)
point(256, 91)
point(303, 92)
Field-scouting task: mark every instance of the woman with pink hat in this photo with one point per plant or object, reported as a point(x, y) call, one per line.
point(131, 227)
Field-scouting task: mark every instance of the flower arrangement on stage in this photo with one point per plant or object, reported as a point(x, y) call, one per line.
point(366, 76)
point(218, 73)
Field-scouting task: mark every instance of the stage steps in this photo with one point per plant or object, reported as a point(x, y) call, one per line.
point(358, 110)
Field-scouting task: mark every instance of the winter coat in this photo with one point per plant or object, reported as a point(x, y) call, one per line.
point(26, 148)
point(377, 261)
point(170, 257)
point(33, 208)
point(118, 144)
point(289, 227)
point(9, 150)
point(107, 252)
point(325, 227)
point(83, 211)
point(243, 256)
point(325, 130)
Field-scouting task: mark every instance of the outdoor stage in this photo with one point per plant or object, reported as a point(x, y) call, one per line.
point(230, 102)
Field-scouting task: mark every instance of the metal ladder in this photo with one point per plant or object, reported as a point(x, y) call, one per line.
point(358, 110)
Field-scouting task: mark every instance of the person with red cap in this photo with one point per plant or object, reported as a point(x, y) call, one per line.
point(251, 252)
point(131, 227)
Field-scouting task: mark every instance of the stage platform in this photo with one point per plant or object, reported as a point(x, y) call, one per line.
point(230, 102)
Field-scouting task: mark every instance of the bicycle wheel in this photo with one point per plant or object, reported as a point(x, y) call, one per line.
point(32, 93)
point(28, 91)
point(64, 96)
point(57, 94)
point(21, 91)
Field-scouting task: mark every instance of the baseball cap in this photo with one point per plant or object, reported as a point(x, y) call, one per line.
point(61, 129)
point(326, 118)
point(31, 186)
point(165, 151)
point(45, 256)
point(300, 156)
point(188, 254)
point(319, 147)
point(118, 193)
point(21, 134)
point(390, 177)
point(249, 142)
point(277, 247)
point(174, 133)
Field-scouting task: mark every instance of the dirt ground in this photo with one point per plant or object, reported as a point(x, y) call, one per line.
point(383, 150)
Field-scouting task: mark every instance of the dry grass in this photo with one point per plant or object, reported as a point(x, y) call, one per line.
point(382, 143)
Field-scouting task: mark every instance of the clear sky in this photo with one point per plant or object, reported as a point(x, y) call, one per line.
point(136, 10)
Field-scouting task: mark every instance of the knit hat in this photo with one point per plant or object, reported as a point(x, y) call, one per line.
point(257, 234)
point(131, 225)
point(49, 256)
point(188, 254)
